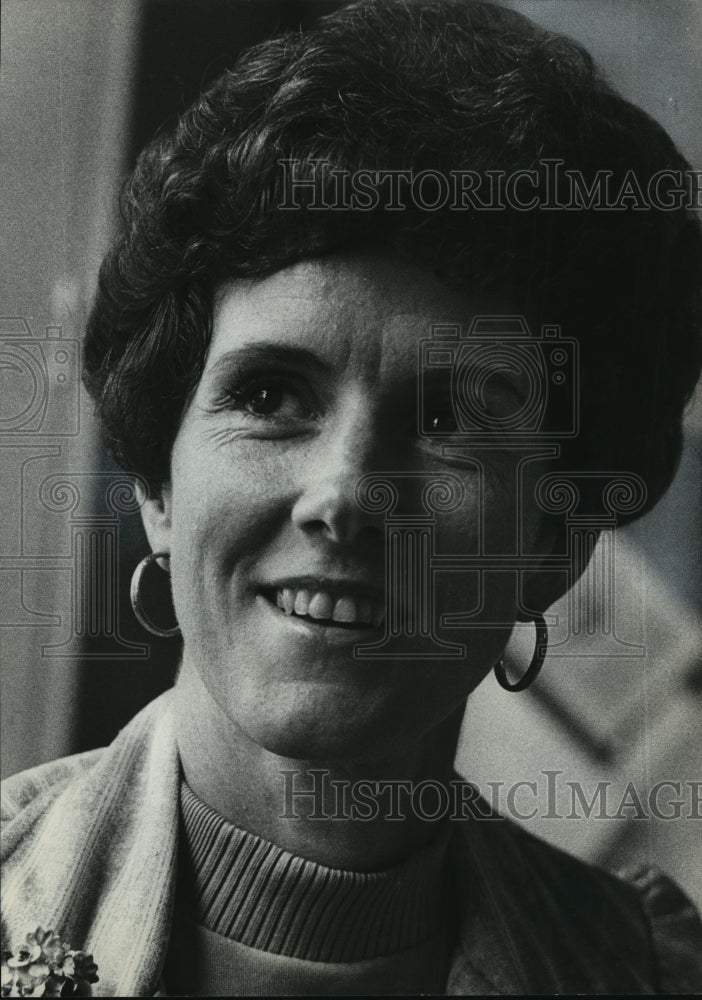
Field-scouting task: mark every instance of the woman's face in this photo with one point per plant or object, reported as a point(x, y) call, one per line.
point(277, 574)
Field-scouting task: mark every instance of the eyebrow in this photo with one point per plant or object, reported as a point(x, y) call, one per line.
point(268, 352)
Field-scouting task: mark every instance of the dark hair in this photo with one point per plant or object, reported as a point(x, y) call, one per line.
point(439, 85)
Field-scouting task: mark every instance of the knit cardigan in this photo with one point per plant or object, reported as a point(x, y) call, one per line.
point(90, 850)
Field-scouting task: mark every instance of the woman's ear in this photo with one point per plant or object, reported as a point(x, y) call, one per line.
point(539, 590)
point(156, 509)
point(542, 587)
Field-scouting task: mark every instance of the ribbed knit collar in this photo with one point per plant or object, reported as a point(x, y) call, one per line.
point(253, 892)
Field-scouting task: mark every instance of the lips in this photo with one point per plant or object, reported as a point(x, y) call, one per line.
point(331, 604)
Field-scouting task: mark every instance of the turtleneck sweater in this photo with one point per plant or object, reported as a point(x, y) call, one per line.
point(252, 918)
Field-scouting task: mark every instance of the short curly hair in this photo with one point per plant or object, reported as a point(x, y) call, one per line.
point(410, 85)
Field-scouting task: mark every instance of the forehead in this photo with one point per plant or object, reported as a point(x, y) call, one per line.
point(358, 311)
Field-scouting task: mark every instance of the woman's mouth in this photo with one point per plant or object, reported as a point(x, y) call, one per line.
point(327, 608)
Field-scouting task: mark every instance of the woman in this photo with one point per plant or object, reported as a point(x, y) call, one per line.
point(323, 341)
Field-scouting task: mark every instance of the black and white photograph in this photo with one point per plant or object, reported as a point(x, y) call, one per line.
point(351, 467)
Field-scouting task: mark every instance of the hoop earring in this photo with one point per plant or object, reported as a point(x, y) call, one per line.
point(537, 660)
point(135, 597)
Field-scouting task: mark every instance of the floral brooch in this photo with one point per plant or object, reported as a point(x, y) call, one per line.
point(45, 966)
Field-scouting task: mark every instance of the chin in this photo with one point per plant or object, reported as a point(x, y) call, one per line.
point(322, 723)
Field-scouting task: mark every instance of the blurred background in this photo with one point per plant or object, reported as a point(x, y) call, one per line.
point(85, 83)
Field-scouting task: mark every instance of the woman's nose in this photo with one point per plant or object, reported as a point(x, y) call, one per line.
point(326, 505)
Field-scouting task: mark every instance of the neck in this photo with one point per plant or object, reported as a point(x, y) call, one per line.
point(356, 815)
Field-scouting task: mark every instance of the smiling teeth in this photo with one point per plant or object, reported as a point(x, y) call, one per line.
point(322, 605)
point(302, 602)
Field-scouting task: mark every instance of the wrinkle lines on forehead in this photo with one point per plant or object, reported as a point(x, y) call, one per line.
point(287, 310)
point(365, 314)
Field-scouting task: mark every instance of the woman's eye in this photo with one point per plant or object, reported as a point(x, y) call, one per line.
point(439, 418)
point(264, 400)
point(274, 400)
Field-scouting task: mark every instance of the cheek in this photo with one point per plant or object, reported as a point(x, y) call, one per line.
point(487, 520)
point(227, 503)
point(486, 525)
point(217, 485)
